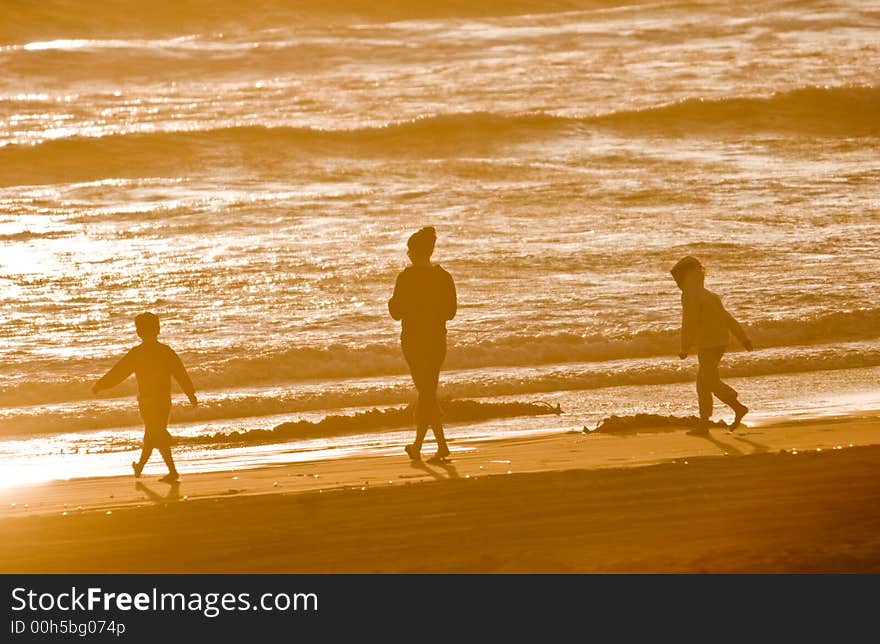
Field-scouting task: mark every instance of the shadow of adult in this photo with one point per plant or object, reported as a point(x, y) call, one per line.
point(172, 496)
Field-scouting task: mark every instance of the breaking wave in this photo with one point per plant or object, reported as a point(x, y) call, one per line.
point(488, 383)
point(778, 340)
point(25, 21)
point(830, 111)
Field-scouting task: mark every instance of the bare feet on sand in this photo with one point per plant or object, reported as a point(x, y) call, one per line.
point(741, 411)
point(440, 456)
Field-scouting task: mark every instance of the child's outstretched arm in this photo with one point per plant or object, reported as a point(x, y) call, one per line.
point(737, 331)
point(183, 379)
point(120, 371)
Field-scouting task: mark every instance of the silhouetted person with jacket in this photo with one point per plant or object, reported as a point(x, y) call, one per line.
point(424, 300)
point(706, 325)
point(153, 364)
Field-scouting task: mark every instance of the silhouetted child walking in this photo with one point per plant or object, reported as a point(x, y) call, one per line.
point(424, 300)
point(153, 364)
point(706, 324)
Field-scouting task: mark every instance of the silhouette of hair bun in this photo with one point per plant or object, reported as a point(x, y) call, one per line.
point(147, 323)
point(422, 242)
point(684, 266)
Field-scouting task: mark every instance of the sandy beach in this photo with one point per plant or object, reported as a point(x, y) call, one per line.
point(291, 233)
point(792, 497)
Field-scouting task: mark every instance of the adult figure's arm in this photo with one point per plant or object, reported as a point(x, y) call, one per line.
point(449, 298)
point(395, 304)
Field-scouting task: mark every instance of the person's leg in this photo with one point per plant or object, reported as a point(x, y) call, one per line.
point(416, 364)
point(164, 445)
point(726, 394)
point(729, 396)
point(722, 391)
point(436, 418)
point(169, 461)
point(425, 405)
point(147, 446)
point(707, 374)
point(156, 434)
point(436, 412)
point(146, 452)
point(421, 432)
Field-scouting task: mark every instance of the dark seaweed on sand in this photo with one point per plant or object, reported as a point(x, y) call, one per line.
point(647, 423)
point(378, 419)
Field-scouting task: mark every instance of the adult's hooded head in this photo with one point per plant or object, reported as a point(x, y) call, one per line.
point(421, 243)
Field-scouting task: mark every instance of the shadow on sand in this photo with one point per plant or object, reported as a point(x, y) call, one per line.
point(172, 496)
point(441, 471)
point(757, 448)
point(730, 450)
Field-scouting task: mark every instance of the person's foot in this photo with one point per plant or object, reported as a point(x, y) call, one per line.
point(441, 455)
point(137, 469)
point(412, 453)
point(171, 477)
point(740, 411)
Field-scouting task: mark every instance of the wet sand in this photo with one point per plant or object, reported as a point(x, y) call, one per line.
point(571, 503)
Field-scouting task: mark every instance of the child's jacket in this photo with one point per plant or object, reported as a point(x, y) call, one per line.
point(705, 323)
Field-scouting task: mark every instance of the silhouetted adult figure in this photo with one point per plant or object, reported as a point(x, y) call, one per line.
point(153, 364)
point(424, 300)
point(706, 324)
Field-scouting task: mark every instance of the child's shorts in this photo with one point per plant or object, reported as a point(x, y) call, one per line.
point(155, 415)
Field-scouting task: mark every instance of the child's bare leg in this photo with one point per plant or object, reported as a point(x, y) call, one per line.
point(439, 435)
point(169, 461)
point(421, 432)
point(728, 395)
point(138, 467)
point(707, 377)
point(146, 453)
